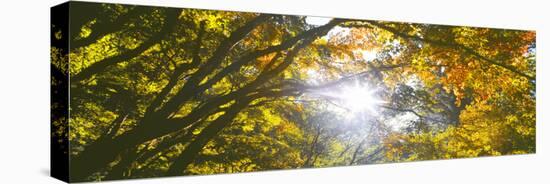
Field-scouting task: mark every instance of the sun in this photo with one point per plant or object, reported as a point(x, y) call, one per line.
point(355, 98)
point(358, 98)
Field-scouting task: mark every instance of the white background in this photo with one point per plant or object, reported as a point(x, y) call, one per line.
point(24, 90)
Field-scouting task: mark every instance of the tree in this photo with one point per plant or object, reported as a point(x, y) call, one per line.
point(165, 92)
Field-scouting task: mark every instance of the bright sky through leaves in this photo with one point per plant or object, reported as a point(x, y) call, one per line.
point(368, 55)
point(317, 21)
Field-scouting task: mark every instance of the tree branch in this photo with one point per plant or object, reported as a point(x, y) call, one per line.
point(466, 49)
point(190, 87)
point(100, 29)
point(411, 111)
point(100, 66)
point(178, 72)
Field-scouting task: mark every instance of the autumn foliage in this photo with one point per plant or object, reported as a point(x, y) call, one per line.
point(164, 91)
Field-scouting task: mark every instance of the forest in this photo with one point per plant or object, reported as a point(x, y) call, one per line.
point(158, 91)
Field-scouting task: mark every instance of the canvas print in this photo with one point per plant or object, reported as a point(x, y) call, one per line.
point(143, 91)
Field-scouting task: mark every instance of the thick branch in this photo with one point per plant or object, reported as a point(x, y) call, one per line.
point(190, 87)
point(235, 66)
point(192, 150)
point(100, 66)
point(178, 72)
point(100, 29)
